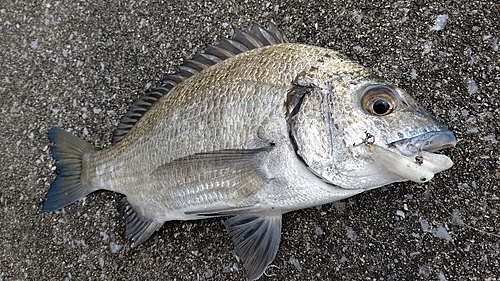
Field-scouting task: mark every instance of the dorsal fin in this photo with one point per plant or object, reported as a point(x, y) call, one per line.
point(241, 42)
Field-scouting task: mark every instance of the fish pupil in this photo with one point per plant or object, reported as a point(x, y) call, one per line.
point(381, 107)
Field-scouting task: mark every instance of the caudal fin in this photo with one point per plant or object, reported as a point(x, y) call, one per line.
point(68, 152)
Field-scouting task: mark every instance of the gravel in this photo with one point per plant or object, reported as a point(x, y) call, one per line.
point(80, 65)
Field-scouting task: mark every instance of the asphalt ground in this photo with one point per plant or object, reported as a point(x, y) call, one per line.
point(81, 64)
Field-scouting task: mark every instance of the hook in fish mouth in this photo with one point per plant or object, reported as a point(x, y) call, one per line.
point(413, 158)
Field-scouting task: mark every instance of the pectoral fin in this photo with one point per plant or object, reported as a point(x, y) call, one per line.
point(256, 239)
point(221, 212)
point(237, 173)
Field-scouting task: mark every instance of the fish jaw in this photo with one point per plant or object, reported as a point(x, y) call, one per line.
point(425, 145)
point(430, 142)
point(413, 158)
point(377, 163)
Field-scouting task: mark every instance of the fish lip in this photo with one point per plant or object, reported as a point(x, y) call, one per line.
point(430, 142)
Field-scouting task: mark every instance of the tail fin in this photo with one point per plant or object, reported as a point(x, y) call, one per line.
point(68, 152)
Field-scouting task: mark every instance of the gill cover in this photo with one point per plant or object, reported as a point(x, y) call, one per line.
point(310, 126)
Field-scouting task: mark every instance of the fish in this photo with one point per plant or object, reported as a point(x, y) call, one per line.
point(252, 128)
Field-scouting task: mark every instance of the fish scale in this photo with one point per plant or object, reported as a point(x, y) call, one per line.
point(253, 128)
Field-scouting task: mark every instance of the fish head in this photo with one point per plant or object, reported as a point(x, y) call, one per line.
point(402, 129)
point(339, 124)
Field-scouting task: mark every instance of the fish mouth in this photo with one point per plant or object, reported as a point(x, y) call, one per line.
point(413, 158)
point(429, 142)
point(420, 150)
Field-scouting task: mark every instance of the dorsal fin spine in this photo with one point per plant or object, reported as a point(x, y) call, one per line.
point(166, 84)
point(207, 58)
point(233, 46)
point(219, 52)
point(247, 39)
point(263, 36)
point(196, 65)
point(176, 78)
point(186, 70)
point(241, 42)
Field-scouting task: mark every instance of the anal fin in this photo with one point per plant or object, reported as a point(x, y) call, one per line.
point(137, 227)
point(256, 239)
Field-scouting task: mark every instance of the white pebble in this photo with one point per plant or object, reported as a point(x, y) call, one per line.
point(319, 230)
point(472, 86)
point(490, 138)
point(472, 131)
point(351, 234)
point(115, 248)
point(413, 73)
point(296, 263)
point(208, 274)
point(425, 225)
point(440, 22)
point(427, 48)
point(400, 213)
point(442, 233)
point(441, 276)
point(104, 235)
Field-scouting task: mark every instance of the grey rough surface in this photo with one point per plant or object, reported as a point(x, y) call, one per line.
point(80, 64)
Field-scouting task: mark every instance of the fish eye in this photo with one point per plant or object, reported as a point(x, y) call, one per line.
point(378, 100)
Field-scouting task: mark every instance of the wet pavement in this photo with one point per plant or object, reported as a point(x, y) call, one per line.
point(81, 64)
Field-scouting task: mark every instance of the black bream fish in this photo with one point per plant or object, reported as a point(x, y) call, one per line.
point(252, 128)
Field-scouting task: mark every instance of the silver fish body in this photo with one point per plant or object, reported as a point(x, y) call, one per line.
point(253, 128)
point(237, 105)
